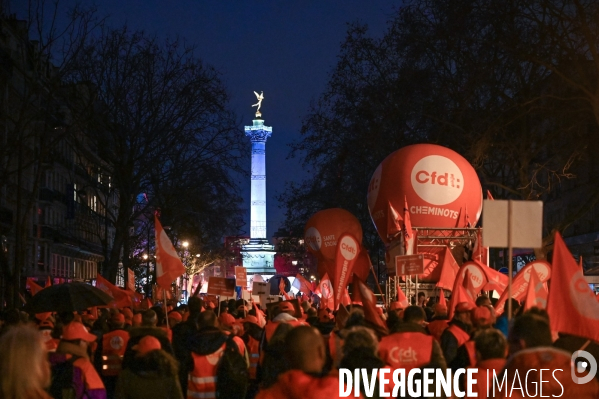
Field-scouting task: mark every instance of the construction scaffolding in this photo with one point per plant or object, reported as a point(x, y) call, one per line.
point(428, 238)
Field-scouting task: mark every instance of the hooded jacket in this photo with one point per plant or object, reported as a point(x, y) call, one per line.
point(152, 375)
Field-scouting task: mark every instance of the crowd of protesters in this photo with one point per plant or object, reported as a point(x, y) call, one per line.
point(241, 351)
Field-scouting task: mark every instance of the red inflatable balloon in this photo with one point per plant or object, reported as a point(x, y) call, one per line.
point(437, 182)
point(325, 227)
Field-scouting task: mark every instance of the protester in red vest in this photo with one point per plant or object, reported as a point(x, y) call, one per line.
point(285, 315)
point(482, 319)
point(409, 346)
point(306, 355)
point(110, 352)
point(439, 321)
point(531, 350)
point(208, 346)
point(491, 350)
point(458, 331)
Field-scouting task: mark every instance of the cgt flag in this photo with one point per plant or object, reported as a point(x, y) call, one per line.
point(571, 304)
point(168, 263)
point(348, 249)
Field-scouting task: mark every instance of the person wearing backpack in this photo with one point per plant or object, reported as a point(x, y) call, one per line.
point(216, 366)
point(153, 373)
point(73, 374)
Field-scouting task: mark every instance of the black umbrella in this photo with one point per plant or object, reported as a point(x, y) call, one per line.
point(68, 297)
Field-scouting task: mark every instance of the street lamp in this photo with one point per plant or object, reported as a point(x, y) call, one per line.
point(185, 244)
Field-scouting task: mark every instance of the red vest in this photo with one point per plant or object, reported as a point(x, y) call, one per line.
point(201, 382)
point(114, 344)
point(253, 347)
point(436, 328)
point(471, 349)
point(461, 335)
point(406, 350)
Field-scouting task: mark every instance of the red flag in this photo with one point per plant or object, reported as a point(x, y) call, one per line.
point(362, 266)
point(302, 284)
point(121, 297)
point(407, 229)
point(259, 315)
point(580, 262)
point(393, 221)
point(345, 299)
point(282, 286)
point(401, 297)
point(442, 300)
point(520, 282)
point(48, 281)
point(489, 196)
point(458, 295)
point(469, 285)
point(449, 270)
point(361, 293)
point(536, 293)
point(326, 289)
point(571, 304)
point(168, 264)
point(345, 258)
point(33, 286)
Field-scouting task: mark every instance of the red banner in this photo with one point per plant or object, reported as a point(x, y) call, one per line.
point(168, 263)
point(221, 286)
point(241, 277)
point(347, 253)
point(520, 282)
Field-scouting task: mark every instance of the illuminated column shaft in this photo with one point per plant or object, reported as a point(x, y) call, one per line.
point(258, 134)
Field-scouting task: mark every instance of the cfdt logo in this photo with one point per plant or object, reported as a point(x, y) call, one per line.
point(437, 180)
point(583, 361)
point(313, 239)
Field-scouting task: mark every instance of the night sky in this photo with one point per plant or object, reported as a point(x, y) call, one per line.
point(285, 48)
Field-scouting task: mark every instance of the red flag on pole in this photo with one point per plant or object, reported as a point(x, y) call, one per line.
point(442, 300)
point(345, 258)
point(393, 221)
point(469, 285)
point(407, 229)
point(302, 284)
point(489, 196)
point(121, 297)
point(33, 286)
point(361, 293)
point(536, 293)
point(458, 295)
point(571, 304)
point(401, 297)
point(449, 270)
point(168, 263)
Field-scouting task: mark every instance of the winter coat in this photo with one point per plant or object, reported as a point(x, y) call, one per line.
point(449, 343)
point(152, 375)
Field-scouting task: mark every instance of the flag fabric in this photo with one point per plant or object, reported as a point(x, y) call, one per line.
point(571, 303)
point(469, 286)
point(346, 255)
point(168, 263)
point(393, 221)
point(489, 196)
point(449, 270)
point(459, 294)
point(302, 284)
point(536, 293)
point(48, 281)
point(345, 299)
point(33, 286)
point(327, 292)
point(282, 286)
point(259, 315)
point(409, 238)
point(442, 300)
point(121, 297)
point(520, 282)
point(361, 293)
point(401, 297)
point(362, 266)
point(580, 264)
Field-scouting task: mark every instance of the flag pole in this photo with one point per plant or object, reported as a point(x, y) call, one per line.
point(510, 267)
point(165, 307)
point(376, 280)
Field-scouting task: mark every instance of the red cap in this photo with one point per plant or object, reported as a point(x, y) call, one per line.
point(482, 315)
point(75, 330)
point(118, 318)
point(226, 319)
point(440, 309)
point(464, 307)
point(137, 319)
point(175, 316)
point(147, 344)
point(286, 307)
point(127, 312)
point(251, 319)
